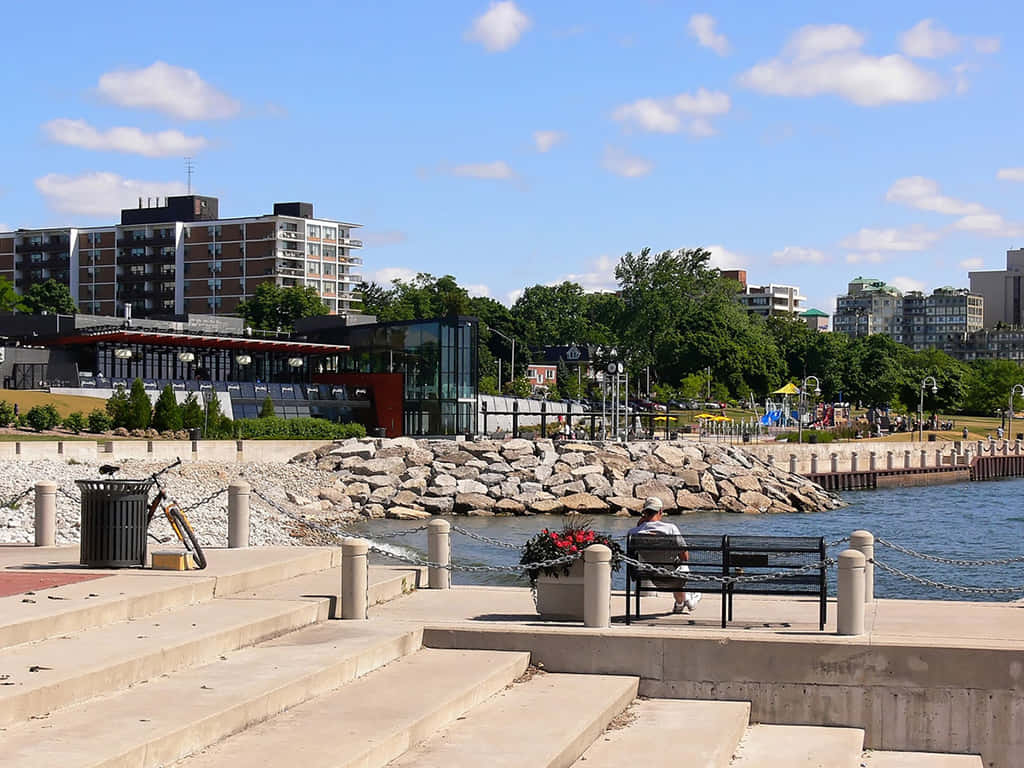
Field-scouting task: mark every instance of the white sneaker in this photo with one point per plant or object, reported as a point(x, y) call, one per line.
point(680, 607)
point(692, 599)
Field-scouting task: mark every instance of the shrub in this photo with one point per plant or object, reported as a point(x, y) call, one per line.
point(118, 407)
point(6, 413)
point(191, 413)
point(41, 417)
point(216, 425)
point(308, 428)
point(574, 537)
point(74, 422)
point(100, 421)
point(823, 436)
point(140, 409)
point(167, 413)
point(267, 409)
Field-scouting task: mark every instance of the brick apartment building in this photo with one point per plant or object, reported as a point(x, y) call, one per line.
point(181, 257)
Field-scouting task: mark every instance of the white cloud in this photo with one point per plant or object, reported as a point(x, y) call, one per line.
point(987, 44)
point(499, 28)
point(683, 112)
point(599, 275)
point(477, 289)
point(616, 160)
point(702, 27)
point(78, 133)
point(827, 59)
point(175, 91)
point(545, 140)
point(386, 275)
point(927, 40)
point(722, 258)
point(1010, 174)
point(906, 284)
point(975, 262)
point(795, 254)
point(513, 296)
point(865, 258)
point(889, 240)
point(384, 237)
point(925, 195)
point(100, 193)
point(496, 170)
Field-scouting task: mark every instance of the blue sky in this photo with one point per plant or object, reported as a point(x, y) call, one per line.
point(514, 143)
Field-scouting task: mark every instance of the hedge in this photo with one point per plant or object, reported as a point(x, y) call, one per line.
point(274, 428)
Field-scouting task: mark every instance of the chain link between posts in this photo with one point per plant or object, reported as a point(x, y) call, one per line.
point(707, 577)
point(949, 587)
point(16, 498)
point(947, 560)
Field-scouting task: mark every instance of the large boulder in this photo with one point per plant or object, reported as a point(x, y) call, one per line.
point(584, 503)
point(438, 505)
point(391, 465)
point(467, 501)
point(662, 491)
point(470, 486)
point(688, 502)
point(354, 449)
point(757, 500)
point(404, 513)
point(509, 507)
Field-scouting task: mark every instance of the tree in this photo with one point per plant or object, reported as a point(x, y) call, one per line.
point(6, 413)
point(990, 382)
point(74, 422)
point(267, 409)
point(41, 417)
point(100, 421)
point(272, 307)
point(167, 415)
point(215, 423)
point(9, 299)
point(50, 296)
point(140, 409)
point(119, 407)
point(548, 315)
point(520, 387)
point(191, 412)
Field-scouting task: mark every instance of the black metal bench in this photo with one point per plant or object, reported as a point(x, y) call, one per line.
point(724, 556)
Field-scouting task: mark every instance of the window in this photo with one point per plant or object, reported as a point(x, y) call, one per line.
point(215, 266)
point(214, 249)
point(314, 249)
point(214, 302)
point(328, 269)
point(213, 231)
point(314, 268)
point(330, 233)
point(330, 250)
point(550, 375)
point(313, 231)
point(214, 284)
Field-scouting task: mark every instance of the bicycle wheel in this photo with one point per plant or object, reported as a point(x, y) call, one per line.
point(184, 531)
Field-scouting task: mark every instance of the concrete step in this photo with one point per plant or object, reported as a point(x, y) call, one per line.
point(880, 759)
point(375, 718)
point(799, 746)
point(545, 722)
point(173, 716)
point(662, 732)
point(46, 676)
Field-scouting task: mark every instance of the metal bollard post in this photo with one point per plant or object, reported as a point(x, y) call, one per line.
point(873, 461)
point(853, 461)
point(1006, 447)
point(850, 614)
point(938, 457)
point(46, 514)
point(906, 459)
point(792, 463)
point(814, 463)
point(439, 550)
point(597, 586)
point(924, 458)
point(238, 514)
point(889, 459)
point(981, 448)
point(354, 578)
point(834, 465)
point(864, 542)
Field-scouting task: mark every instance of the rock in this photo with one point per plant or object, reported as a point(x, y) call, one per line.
point(558, 478)
point(509, 507)
point(490, 478)
point(417, 485)
point(458, 458)
point(572, 460)
point(691, 478)
point(444, 481)
point(584, 503)
point(547, 506)
point(382, 481)
point(298, 500)
point(419, 457)
point(587, 469)
point(406, 443)
point(359, 492)
point(662, 491)
point(637, 476)
point(390, 451)
point(622, 488)
point(746, 482)
point(576, 486)
point(464, 501)
point(755, 499)
point(334, 495)
point(690, 501)
point(527, 462)
point(517, 444)
point(596, 483)
point(479, 513)
point(382, 494)
point(732, 504)
point(392, 465)
point(478, 464)
point(509, 488)
point(543, 471)
point(375, 511)
point(479, 447)
point(629, 503)
point(670, 455)
point(502, 468)
point(725, 488)
point(579, 448)
point(300, 458)
point(405, 499)
point(531, 487)
point(707, 484)
point(344, 504)
point(354, 449)
point(470, 486)
point(438, 505)
point(465, 472)
point(404, 513)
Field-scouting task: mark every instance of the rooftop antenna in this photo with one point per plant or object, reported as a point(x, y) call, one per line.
point(189, 168)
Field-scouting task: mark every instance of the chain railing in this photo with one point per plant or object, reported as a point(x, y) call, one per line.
point(204, 501)
point(16, 499)
point(946, 560)
point(753, 578)
point(949, 587)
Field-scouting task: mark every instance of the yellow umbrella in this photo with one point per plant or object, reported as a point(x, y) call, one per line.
point(703, 416)
point(661, 418)
point(720, 418)
point(789, 389)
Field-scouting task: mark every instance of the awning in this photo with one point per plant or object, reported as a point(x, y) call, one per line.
point(789, 389)
point(193, 340)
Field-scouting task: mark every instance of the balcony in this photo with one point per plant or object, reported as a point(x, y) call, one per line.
point(46, 246)
point(350, 242)
point(150, 241)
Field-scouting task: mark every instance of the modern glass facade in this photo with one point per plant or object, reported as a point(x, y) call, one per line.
point(437, 359)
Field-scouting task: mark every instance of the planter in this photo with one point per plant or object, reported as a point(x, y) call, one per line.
point(561, 597)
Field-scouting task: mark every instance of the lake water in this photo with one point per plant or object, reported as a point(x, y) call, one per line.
point(971, 521)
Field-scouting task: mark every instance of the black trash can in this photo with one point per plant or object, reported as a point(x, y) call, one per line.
point(195, 434)
point(813, 438)
point(113, 531)
point(380, 432)
point(746, 437)
point(932, 437)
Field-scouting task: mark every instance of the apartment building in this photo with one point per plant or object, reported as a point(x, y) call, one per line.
point(181, 257)
point(940, 320)
point(1002, 291)
point(767, 300)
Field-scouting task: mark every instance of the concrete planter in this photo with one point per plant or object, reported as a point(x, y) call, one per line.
point(561, 597)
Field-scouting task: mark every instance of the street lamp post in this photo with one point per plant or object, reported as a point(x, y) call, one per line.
point(1018, 389)
point(800, 414)
point(920, 407)
point(512, 374)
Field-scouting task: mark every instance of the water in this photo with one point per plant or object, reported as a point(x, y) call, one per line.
point(971, 521)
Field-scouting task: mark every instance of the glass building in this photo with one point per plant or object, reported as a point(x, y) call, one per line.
point(436, 360)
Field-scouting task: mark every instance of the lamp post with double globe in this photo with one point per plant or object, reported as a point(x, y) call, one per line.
point(920, 407)
point(1017, 389)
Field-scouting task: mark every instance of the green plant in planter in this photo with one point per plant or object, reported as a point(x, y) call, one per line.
point(573, 538)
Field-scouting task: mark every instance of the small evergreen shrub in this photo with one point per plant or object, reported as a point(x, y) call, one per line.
point(100, 421)
point(74, 422)
point(307, 428)
point(40, 417)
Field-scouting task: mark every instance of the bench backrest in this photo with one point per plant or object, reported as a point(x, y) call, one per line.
point(706, 555)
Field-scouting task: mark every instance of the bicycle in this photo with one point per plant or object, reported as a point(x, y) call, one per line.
point(175, 517)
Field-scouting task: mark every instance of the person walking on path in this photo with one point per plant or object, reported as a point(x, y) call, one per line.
point(651, 523)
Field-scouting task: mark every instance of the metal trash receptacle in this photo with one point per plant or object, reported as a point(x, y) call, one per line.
point(113, 532)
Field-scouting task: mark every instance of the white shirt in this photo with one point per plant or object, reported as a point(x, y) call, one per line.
point(660, 526)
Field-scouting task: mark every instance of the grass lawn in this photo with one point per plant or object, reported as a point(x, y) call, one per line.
point(64, 404)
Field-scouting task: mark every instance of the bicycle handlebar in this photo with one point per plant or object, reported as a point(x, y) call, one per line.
point(159, 472)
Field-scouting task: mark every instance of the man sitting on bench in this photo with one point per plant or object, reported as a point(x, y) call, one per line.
point(650, 523)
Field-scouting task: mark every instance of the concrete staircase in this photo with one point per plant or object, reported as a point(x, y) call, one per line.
point(247, 670)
